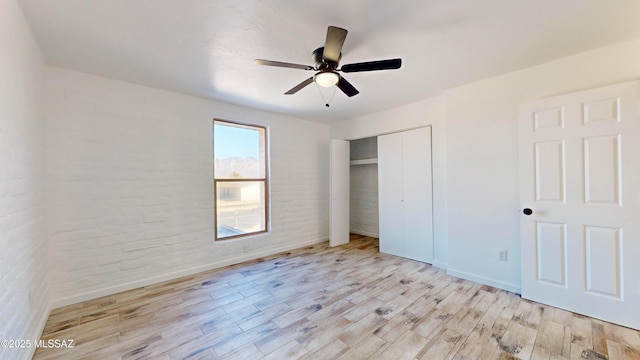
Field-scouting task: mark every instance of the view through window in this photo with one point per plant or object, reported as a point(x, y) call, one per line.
point(240, 179)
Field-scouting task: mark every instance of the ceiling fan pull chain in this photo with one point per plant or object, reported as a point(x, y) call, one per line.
point(332, 95)
point(326, 103)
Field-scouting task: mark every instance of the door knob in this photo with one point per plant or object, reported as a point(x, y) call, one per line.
point(527, 211)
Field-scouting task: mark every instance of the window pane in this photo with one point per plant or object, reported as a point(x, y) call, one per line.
point(239, 151)
point(240, 207)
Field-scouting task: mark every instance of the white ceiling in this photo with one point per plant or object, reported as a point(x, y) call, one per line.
point(207, 47)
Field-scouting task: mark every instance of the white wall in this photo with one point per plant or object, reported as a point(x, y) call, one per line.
point(427, 112)
point(24, 301)
point(482, 155)
point(130, 184)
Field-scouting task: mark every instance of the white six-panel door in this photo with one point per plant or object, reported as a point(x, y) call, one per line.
point(580, 178)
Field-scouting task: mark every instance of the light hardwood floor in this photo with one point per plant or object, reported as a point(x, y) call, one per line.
point(348, 302)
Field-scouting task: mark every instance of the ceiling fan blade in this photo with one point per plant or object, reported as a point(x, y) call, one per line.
point(373, 65)
point(282, 64)
point(333, 43)
point(298, 87)
point(346, 87)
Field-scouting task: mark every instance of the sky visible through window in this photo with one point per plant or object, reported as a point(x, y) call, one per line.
point(231, 141)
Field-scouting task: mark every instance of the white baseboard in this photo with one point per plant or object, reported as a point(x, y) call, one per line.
point(485, 280)
point(440, 264)
point(363, 233)
point(94, 294)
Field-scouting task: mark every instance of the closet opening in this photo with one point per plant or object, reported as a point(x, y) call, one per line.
point(363, 187)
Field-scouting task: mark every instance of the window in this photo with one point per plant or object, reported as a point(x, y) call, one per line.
point(240, 179)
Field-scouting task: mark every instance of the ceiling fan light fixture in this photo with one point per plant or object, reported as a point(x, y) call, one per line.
point(326, 78)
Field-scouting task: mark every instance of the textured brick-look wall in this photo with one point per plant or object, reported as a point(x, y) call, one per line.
point(24, 301)
point(130, 185)
point(363, 204)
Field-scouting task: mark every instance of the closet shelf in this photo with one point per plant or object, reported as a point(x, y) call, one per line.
point(364, 161)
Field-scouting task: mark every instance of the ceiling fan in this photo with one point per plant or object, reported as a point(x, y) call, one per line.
point(326, 61)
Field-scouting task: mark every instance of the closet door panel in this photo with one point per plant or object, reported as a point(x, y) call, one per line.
point(417, 186)
point(390, 190)
point(339, 215)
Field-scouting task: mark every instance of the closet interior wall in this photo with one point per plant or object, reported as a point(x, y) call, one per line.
point(363, 182)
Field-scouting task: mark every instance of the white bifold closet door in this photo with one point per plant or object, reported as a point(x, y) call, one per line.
point(405, 194)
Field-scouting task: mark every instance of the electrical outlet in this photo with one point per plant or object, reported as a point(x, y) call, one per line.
point(502, 255)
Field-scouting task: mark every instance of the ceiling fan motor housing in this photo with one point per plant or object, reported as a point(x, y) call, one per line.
point(321, 62)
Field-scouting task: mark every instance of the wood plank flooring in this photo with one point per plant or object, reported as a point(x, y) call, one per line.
point(348, 302)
